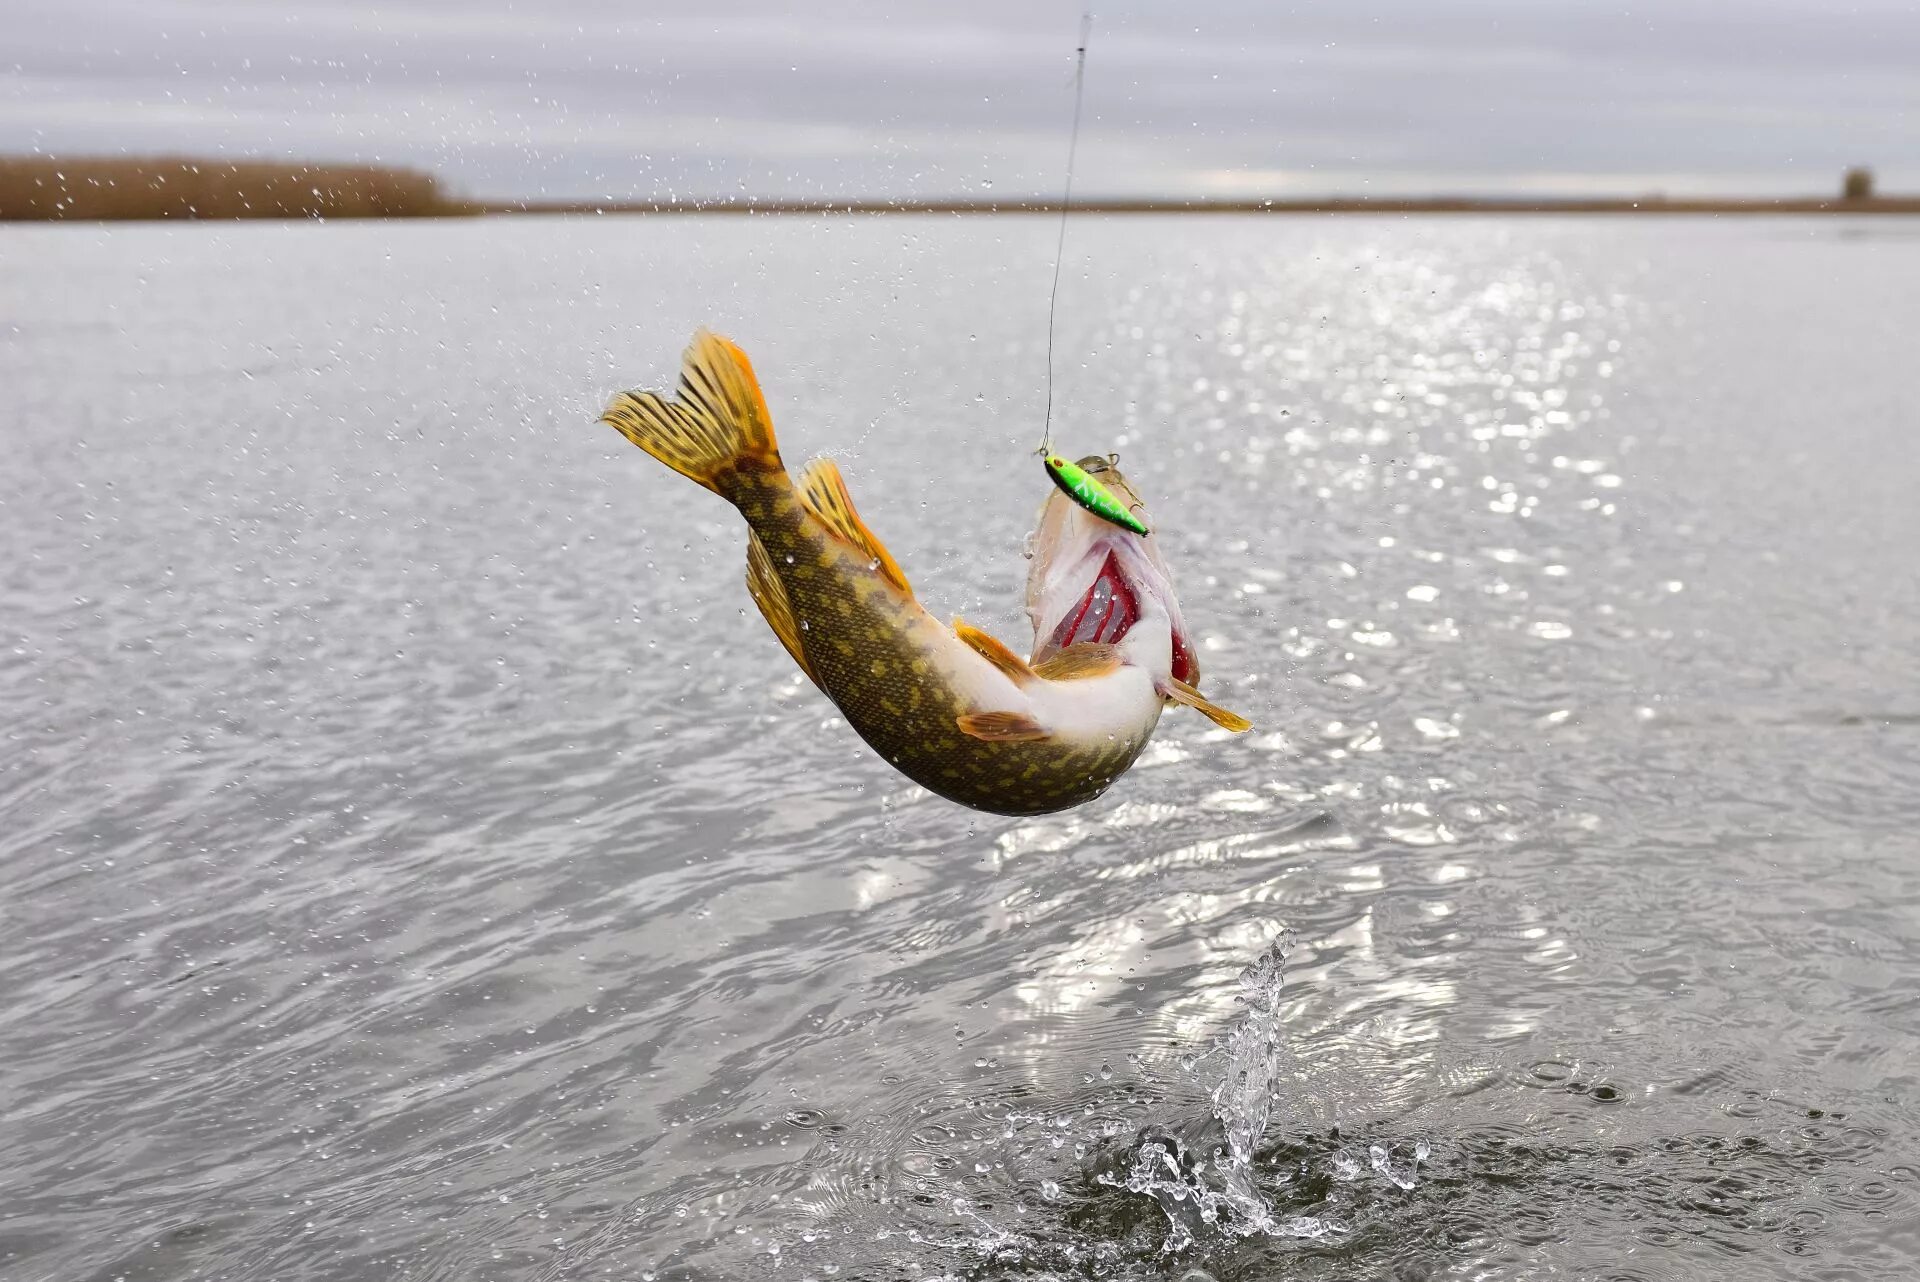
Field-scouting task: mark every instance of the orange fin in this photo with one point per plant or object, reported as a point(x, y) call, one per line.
point(1078, 662)
point(764, 586)
point(1181, 692)
point(993, 651)
point(716, 423)
point(1002, 727)
point(823, 492)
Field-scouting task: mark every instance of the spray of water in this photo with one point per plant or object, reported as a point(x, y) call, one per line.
point(1243, 1098)
point(1214, 1190)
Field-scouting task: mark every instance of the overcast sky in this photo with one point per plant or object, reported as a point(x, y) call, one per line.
point(858, 98)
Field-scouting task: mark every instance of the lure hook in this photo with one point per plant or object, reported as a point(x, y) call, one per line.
point(1081, 486)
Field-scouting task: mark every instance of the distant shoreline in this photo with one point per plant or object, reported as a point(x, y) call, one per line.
point(184, 188)
point(1367, 205)
point(1465, 205)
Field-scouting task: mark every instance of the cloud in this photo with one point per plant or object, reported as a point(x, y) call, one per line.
point(598, 99)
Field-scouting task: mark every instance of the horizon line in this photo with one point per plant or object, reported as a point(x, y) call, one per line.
point(84, 189)
point(1650, 203)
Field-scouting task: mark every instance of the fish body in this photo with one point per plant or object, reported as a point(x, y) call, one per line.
point(948, 706)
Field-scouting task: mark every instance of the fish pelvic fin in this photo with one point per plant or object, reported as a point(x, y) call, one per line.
point(1002, 727)
point(1078, 662)
point(764, 586)
point(823, 492)
point(994, 651)
point(716, 426)
point(1182, 693)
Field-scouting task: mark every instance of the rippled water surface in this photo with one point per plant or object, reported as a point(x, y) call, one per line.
point(419, 862)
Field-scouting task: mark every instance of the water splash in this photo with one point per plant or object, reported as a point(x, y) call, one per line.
point(1243, 1099)
point(1218, 1191)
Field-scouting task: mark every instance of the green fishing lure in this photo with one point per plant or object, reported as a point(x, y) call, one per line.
point(1079, 485)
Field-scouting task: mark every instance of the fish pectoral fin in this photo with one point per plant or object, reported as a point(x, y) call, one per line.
point(994, 651)
point(764, 586)
point(1002, 727)
point(1180, 692)
point(823, 492)
point(1078, 662)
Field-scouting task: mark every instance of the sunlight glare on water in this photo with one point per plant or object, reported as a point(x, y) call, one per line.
point(421, 862)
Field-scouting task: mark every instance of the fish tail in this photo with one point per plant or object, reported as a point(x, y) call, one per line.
point(715, 429)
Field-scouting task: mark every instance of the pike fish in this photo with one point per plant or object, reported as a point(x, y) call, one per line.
point(950, 707)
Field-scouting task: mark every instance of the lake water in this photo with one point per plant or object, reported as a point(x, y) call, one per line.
point(420, 862)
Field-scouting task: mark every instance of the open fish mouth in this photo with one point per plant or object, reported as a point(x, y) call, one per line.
point(1093, 581)
point(1108, 611)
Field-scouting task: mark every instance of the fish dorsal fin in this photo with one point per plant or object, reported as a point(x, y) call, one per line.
point(1078, 662)
point(1002, 727)
point(1181, 692)
point(993, 651)
point(764, 586)
point(823, 491)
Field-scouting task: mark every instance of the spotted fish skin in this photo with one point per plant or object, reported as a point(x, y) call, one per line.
point(894, 673)
point(948, 707)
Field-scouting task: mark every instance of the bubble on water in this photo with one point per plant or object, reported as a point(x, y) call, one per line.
point(1381, 1159)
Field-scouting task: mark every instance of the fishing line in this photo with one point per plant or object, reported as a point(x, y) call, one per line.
point(1066, 203)
point(1075, 481)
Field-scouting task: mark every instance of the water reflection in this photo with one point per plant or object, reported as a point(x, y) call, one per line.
point(425, 865)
